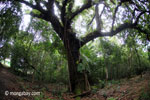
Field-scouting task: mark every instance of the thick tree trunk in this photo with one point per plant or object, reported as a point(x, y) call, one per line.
point(78, 81)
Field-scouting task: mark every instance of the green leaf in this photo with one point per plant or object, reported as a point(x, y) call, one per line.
point(36, 12)
point(27, 11)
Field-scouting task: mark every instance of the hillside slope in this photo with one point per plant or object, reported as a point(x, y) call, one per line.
point(9, 83)
point(126, 89)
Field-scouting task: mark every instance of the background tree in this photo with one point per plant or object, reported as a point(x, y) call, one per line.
point(10, 19)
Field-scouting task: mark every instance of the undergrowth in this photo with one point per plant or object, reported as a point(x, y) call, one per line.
point(145, 94)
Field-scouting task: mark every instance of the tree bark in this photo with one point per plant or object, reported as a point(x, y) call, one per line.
point(78, 81)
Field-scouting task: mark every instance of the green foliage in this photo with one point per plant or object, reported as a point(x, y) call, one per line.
point(101, 84)
point(84, 66)
point(78, 98)
point(36, 12)
point(94, 89)
point(38, 51)
point(108, 58)
point(45, 56)
point(115, 82)
point(56, 93)
point(111, 98)
point(145, 94)
point(18, 57)
point(10, 19)
point(5, 51)
point(42, 97)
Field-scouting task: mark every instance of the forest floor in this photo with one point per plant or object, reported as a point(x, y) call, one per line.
point(126, 89)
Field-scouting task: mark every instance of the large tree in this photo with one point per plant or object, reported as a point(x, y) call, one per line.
point(116, 15)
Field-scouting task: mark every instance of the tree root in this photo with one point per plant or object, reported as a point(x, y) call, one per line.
point(82, 94)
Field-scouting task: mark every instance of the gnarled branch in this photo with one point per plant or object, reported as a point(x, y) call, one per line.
point(63, 11)
point(39, 8)
point(58, 5)
point(85, 6)
point(96, 33)
point(120, 28)
point(114, 16)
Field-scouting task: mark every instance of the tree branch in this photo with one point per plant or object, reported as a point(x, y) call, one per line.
point(54, 21)
point(50, 6)
point(31, 5)
point(71, 6)
point(91, 20)
point(85, 6)
point(97, 33)
point(143, 31)
point(98, 16)
point(95, 16)
point(58, 5)
point(47, 15)
point(122, 27)
point(138, 17)
point(63, 11)
point(114, 16)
